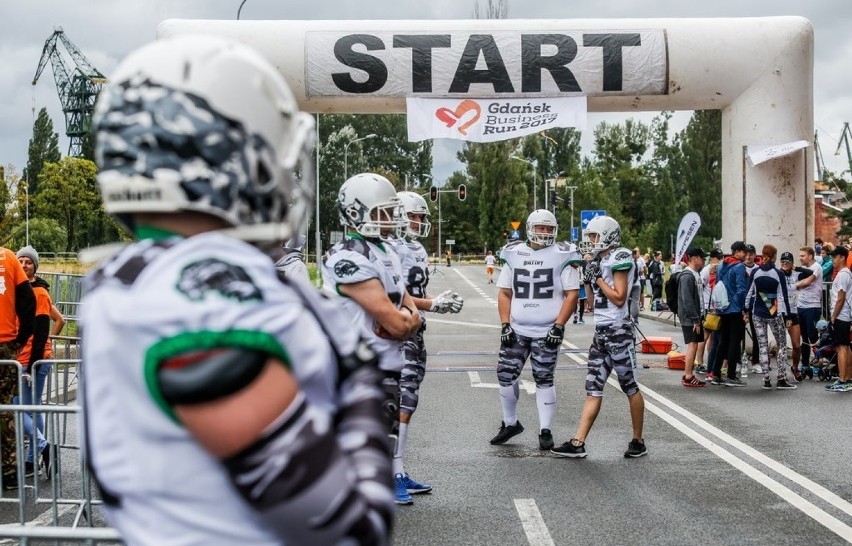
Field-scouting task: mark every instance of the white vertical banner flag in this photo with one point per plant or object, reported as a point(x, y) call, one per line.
point(686, 233)
point(490, 120)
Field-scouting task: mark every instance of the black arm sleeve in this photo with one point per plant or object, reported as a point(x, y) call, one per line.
point(25, 305)
point(334, 481)
point(41, 331)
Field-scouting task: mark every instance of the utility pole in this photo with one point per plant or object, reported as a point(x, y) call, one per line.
point(571, 197)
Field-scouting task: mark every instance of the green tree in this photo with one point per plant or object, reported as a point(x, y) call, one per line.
point(69, 194)
point(499, 184)
point(697, 172)
point(46, 235)
point(43, 148)
point(389, 153)
point(10, 186)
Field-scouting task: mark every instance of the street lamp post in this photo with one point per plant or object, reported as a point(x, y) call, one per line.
point(571, 197)
point(346, 154)
point(535, 178)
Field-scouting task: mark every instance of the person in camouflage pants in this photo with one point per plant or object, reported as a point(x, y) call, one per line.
point(17, 314)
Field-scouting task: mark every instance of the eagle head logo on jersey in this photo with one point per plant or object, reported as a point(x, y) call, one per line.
point(212, 274)
point(345, 268)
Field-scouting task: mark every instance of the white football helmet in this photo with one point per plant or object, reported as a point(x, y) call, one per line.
point(608, 235)
point(541, 217)
point(413, 203)
point(205, 124)
point(368, 203)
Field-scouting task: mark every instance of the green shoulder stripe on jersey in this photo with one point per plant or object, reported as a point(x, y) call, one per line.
point(622, 267)
point(199, 341)
point(377, 242)
point(155, 233)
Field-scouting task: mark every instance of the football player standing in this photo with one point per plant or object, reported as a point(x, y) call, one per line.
point(366, 271)
point(415, 272)
point(612, 345)
point(538, 289)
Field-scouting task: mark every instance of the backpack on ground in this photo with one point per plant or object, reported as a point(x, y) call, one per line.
point(670, 291)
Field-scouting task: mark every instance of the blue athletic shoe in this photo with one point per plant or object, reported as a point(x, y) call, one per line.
point(401, 495)
point(414, 487)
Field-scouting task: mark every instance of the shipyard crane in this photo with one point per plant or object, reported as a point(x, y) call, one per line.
point(845, 137)
point(78, 87)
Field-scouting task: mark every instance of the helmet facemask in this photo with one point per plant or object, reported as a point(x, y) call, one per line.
point(541, 219)
point(602, 233)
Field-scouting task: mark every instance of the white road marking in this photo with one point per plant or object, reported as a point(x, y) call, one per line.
point(785, 471)
point(463, 323)
point(475, 381)
point(534, 527)
point(478, 290)
point(792, 498)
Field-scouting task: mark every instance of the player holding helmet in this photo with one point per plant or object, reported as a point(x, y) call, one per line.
point(368, 273)
point(217, 410)
point(415, 272)
point(537, 292)
point(608, 275)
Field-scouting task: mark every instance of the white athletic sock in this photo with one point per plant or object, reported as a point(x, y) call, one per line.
point(509, 401)
point(402, 440)
point(545, 399)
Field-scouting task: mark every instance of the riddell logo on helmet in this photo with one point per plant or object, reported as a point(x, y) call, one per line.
point(153, 194)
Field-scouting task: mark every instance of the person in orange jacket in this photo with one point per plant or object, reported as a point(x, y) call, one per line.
point(38, 347)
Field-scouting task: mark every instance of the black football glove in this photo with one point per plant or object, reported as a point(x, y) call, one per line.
point(507, 335)
point(593, 272)
point(554, 336)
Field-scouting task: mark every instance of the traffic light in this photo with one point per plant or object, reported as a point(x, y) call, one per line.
point(462, 192)
point(433, 193)
point(553, 197)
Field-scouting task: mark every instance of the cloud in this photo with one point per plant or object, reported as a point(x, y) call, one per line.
point(105, 31)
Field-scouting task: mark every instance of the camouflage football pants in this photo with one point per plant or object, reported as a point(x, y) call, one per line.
point(390, 406)
point(8, 389)
point(612, 349)
point(413, 372)
point(513, 357)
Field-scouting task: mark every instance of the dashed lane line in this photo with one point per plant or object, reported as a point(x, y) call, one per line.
point(534, 526)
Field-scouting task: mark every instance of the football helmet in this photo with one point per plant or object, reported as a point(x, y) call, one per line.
point(414, 203)
point(205, 124)
point(368, 203)
point(609, 235)
point(541, 217)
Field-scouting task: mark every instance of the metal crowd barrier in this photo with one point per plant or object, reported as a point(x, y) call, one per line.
point(61, 507)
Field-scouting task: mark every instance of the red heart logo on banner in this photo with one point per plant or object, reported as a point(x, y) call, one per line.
point(447, 116)
point(451, 117)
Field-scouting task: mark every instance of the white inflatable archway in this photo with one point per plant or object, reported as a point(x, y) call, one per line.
point(757, 71)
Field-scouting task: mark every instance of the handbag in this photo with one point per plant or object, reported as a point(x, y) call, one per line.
point(711, 322)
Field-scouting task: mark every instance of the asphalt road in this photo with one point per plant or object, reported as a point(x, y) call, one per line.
point(725, 465)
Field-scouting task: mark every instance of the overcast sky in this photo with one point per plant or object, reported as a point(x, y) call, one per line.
point(106, 30)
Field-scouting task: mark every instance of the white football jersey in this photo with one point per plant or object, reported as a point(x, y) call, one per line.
point(538, 280)
point(355, 260)
point(155, 300)
point(606, 312)
point(415, 265)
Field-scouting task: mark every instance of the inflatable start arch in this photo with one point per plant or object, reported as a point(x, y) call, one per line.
point(757, 71)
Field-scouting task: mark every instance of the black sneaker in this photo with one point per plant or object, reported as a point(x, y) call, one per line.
point(545, 439)
point(507, 432)
point(573, 448)
point(636, 448)
point(47, 459)
point(29, 469)
point(784, 385)
point(767, 384)
point(10, 481)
